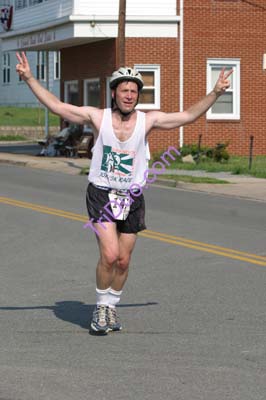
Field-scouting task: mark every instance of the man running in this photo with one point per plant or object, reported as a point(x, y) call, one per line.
point(117, 174)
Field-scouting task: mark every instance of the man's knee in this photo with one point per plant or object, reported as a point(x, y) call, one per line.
point(110, 257)
point(123, 263)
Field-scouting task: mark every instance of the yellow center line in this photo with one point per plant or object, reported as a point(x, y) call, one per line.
point(44, 210)
point(162, 237)
point(207, 250)
point(211, 246)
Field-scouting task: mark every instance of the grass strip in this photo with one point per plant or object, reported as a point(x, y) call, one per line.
point(26, 116)
point(12, 138)
point(237, 165)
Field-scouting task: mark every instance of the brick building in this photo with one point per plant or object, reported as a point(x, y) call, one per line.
point(178, 45)
point(230, 31)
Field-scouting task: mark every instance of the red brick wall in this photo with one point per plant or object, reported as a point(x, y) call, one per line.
point(164, 52)
point(98, 60)
point(212, 29)
point(227, 29)
point(93, 60)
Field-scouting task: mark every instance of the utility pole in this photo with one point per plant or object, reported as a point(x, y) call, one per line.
point(121, 33)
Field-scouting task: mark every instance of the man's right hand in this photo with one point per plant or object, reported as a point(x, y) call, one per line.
point(23, 68)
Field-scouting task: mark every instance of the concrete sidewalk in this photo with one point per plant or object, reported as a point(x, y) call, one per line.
point(72, 166)
point(238, 185)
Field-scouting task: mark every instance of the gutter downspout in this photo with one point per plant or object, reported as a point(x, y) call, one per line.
point(181, 69)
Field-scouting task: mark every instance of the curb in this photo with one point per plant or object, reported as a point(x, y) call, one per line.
point(165, 182)
point(66, 166)
point(14, 142)
point(14, 162)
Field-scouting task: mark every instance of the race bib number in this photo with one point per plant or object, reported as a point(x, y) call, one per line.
point(120, 204)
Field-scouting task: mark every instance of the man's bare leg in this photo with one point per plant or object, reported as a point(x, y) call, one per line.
point(108, 243)
point(127, 243)
point(111, 273)
point(115, 253)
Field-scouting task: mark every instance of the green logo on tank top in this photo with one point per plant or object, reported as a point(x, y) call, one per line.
point(117, 161)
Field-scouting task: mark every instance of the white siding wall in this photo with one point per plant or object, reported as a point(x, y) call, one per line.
point(134, 7)
point(41, 13)
point(35, 17)
point(17, 93)
point(55, 9)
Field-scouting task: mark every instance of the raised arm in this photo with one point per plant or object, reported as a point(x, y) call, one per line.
point(74, 114)
point(157, 119)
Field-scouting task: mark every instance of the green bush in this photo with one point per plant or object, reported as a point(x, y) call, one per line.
point(218, 153)
point(187, 149)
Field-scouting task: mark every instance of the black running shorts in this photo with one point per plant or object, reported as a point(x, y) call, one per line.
point(97, 199)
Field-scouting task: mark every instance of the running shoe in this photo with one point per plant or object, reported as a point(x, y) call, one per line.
point(113, 322)
point(99, 322)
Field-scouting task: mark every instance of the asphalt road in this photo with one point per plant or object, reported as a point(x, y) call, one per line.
point(193, 309)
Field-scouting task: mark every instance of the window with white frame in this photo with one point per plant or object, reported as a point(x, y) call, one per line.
point(41, 66)
point(6, 67)
point(92, 92)
point(150, 95)
point(227, 106)
point(57, 68)
point(71, 92)
point(92, 96)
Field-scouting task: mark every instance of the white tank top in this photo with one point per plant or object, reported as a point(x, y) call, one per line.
point(116, 164)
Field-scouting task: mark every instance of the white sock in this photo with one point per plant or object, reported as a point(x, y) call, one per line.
point(113, 297)
point(102, 296)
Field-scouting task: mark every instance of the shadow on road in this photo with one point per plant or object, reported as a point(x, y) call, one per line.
point(75, 312)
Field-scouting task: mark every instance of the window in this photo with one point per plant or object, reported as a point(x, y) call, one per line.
point(228, 105)
point(92, 92)
point(41, 66)
point(21, 4)
point(33, 2)
point(6, 67)
point(150, 94)
point(92, 96)
point(57, 69)
point(26, 3)
point(71, 92)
